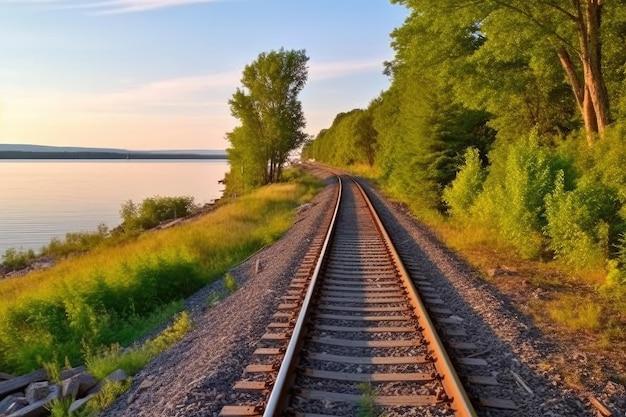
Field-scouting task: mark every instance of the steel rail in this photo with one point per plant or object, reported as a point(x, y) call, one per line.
point(460, 401)
point(276, 398)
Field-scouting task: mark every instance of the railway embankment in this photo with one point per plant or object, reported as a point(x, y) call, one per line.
point(195, 377)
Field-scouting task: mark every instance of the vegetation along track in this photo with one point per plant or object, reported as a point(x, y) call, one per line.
point(351, 336)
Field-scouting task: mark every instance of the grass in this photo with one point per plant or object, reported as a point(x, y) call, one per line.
point(105, 361)
point(569, 311)
point(117, 294)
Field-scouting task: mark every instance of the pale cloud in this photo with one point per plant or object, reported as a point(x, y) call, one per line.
point(192, 91)
point(194, 107)
point(111, 6)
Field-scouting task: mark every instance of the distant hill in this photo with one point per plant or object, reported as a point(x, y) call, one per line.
point(18, 151)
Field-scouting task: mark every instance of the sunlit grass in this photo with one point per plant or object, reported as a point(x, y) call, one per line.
point(574, 313)
point(113, 294)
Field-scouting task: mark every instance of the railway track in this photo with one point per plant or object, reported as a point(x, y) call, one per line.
point(352, 335)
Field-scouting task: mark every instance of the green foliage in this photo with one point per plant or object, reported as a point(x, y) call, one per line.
point(512, 203)
point(154, 210)
point(367, 403)
point(107, 360)
point(109, 392)
point(467, 186)
point(76, 242)
point(578, 223)
point(351, 139)
point(230, 283)
point(14, 259)
point(271, 119)
point(118, 294)
point(60, 407)
point(569, 311)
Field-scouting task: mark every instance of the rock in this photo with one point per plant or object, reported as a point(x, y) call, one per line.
point(7, 402)
point(5, 377)
point(78, 385)
point(117, 376)
point(38, 408)
point(69, 388)
point(16, 405)
point(68, 373)
point(145, 384)
point(78, 404)
point(37, 391)
point(20, 382)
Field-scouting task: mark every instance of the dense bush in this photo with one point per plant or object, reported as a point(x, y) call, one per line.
point(154, 210)
point(512, 203)
point(466, 187)
point(76, 242)
point(578, 223)
point(16, 259)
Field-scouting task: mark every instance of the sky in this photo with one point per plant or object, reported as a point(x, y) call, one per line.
point(158, 74)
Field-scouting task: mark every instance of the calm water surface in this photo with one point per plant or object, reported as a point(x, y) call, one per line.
point(40, 200)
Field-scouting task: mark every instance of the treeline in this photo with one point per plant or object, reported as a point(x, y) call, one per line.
point(506, 117)
point(101, 155)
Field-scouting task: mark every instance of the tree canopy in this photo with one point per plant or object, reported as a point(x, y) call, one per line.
point(528, 50)
point(271, 117)
point(507, 116)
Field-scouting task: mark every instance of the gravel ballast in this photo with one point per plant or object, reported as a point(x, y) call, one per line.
point(195, 377)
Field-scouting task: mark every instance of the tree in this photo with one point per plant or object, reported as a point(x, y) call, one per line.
point(271, 117)
point(537, 35)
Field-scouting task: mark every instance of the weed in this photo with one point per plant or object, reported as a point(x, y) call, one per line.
point(110, 391)
point(60, 407)
point(214, 299)
point(230, 283)
point(367, 404)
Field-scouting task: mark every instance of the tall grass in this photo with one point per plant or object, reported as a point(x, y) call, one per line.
point(108, 295)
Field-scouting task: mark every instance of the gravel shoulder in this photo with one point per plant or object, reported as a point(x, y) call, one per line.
point(194, 377)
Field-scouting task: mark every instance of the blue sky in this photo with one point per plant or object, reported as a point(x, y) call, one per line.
point(157, 74)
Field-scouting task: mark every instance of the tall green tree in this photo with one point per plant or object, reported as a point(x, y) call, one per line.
point(536, 36)
point(271, 117)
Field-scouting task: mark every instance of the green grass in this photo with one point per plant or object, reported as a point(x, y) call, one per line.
point(116, 294)
point(130, 360)
point(106, 361)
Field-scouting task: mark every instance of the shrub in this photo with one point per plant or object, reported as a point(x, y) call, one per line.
point(14, 259)
point(578, 223)
point(75, 242)
point(468, 184)
point(512, 203)
point(230, 283)
point(154, 210)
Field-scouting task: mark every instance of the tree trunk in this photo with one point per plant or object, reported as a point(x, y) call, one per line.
point(592, 66)
point(581, 95)
point(594, 102)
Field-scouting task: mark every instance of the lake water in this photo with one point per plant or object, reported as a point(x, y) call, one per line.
point(40, 200)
